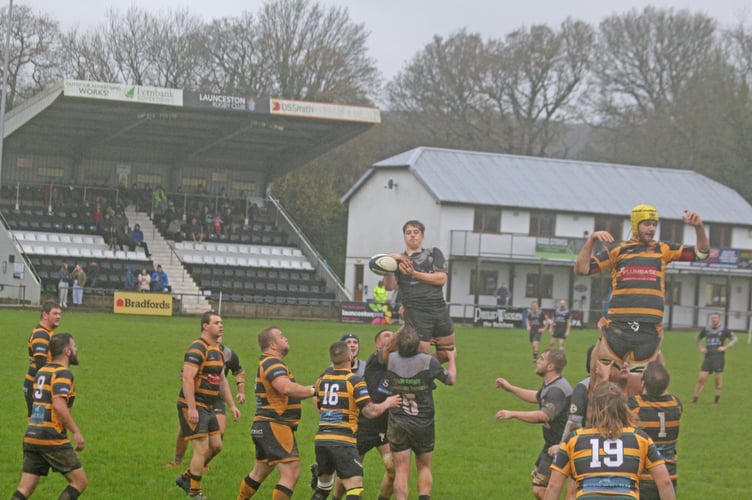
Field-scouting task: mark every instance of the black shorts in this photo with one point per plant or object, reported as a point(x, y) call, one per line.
point(38, 460)
point(340, 458)
point(370, 435)
point(419, 437)
point(429, 324)
point(713, 363)
point(559, 333)
point(207, 423)
point(642, 340)
point(220, 408)
point(534, 335)
point(275, 443)
point(649, 490)
point(542, 472)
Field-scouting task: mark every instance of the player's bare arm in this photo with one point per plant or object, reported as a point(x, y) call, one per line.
point(702, 244)
point(287, 387)
point(524, 394)
point(189, 391)
point(60, 407)
point(582, 264)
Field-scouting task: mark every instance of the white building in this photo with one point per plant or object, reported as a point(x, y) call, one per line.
point(521, 220)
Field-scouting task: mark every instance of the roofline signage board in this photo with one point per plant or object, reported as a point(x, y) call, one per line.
point(206, 100)
point(324, 111)
point(123, 93)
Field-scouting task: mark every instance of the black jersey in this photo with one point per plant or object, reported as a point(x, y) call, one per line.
point(413, 379)
point(714, 338)
point(554, 399)
point(561, 321)
point(378, 388)
point(418, 295)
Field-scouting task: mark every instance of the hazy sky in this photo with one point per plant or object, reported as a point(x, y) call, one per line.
point(400, 28)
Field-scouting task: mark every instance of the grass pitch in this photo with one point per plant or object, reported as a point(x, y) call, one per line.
point(128, 383)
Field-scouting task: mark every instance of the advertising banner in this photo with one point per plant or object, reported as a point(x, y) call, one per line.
point(219, 101)
point(122, 92)
point(491, 316)
point(720, 257)
point(359, 312)
point(148, 304)
point(324, 111)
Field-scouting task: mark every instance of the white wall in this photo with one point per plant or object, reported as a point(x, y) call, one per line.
point(574, 225)
point(375, 219)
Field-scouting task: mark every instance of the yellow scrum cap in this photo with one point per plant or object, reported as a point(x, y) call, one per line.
point(642, 213)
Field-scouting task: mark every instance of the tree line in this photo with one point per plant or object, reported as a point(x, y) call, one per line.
point(656, 87)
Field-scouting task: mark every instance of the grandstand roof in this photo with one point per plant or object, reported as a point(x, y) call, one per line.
point(98, 120)
point(476, 178)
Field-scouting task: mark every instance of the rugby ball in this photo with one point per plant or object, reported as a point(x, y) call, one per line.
point(383, 264)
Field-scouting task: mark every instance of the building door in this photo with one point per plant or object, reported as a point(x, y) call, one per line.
point(358, 292)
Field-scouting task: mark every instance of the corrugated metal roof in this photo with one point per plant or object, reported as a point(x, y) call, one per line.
point(471, 177)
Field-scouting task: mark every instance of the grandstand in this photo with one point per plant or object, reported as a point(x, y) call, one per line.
point(82, 149)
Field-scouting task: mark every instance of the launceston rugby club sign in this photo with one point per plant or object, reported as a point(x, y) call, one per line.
point(149, 304)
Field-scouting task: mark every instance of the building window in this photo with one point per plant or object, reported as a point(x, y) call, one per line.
point(540, 286)
point(543, 224)
point(715, 295)
point(673, 293)
point(613, 225)
point(487, 220)
point(720, 235)
point(672, 230)
point(488, 281)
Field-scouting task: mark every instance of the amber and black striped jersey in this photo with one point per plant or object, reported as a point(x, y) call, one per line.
point(209, 362)
point(637, 277)
point(270, 404)
point(39, 350)
point(45, 428)
point(340, 396)
point(660, 418)
point(606, 468)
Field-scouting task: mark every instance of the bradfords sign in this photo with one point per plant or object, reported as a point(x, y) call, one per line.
point(324, 111)
point(218, 101)
point(149, 304)
point(125, 93)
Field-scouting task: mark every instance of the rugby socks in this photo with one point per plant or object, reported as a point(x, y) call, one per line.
point(281, 493)
point(247, 488)
point(715, 401)
point(354, 493)
point(383, 498)
point(18, 496)
point(69, 493)
point(424, 497)
point(195, 484)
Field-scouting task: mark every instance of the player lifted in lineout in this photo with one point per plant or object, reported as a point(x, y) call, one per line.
point(632, 331)
point(420, 278)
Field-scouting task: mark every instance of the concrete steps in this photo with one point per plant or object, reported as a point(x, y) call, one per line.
point(162, 253)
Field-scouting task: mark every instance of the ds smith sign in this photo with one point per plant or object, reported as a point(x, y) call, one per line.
point(149, 304)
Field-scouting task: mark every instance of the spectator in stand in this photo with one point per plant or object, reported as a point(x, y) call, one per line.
point(123, 238)
point(173, 230)
point(92, 273)
point(207, 219)
point(63, 284)
point(137, 240)
point(171, 213)
point(129, 283)
point(159, 281)
point(107, 230)
point(229, 221)
point(159, 200)
point(97, 214)
point(144, 281)
point(78, 276)
point(195, 231)
point(217, 223)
